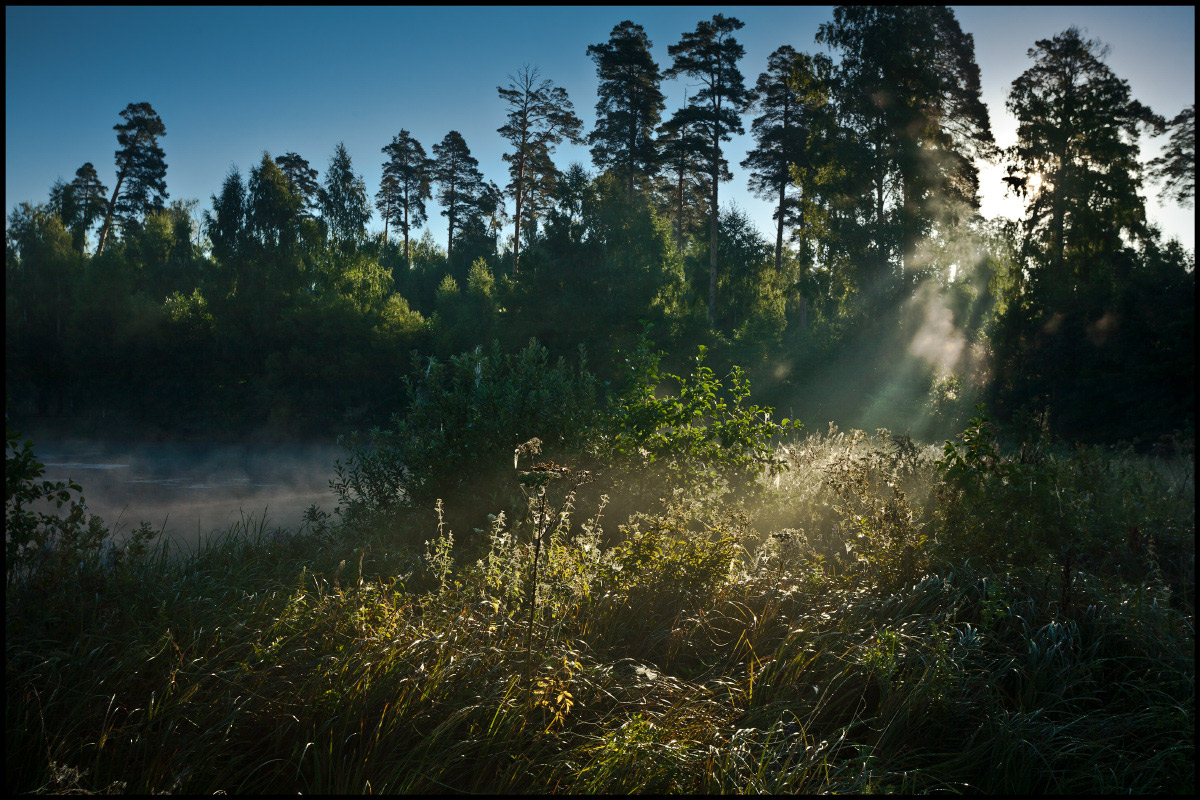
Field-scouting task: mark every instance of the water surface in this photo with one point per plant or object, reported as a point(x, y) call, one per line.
point(190, 490)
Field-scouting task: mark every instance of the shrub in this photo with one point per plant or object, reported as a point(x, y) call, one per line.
point(42, 548)
point(465, 416)
point(706, 433)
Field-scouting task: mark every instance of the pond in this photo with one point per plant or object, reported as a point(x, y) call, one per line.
point(189, 490)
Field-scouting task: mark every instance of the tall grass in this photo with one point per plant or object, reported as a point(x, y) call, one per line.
point(834, 633)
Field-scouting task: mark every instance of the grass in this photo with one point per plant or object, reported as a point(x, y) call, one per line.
point(832, 635)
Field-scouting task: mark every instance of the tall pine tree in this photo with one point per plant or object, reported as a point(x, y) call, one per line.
point(710, 54)
point(1176, 167)
point(908, 91)
point(141, 169)
point(794, 100)
point(408, 173)
point(89, 194)
point(630, 104)
point(460, 183)
point(540, 116)
point(303, 180)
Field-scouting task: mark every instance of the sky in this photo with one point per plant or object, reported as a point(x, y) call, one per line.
point(230, 83)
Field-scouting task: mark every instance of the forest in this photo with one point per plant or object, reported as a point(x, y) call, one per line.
point(606, 521)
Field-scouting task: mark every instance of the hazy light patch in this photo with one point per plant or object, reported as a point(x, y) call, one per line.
point(938, 341)
point(1100, 330)
point(995, 200)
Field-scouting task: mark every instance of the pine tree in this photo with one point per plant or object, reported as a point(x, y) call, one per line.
point(460, 183)
point(630, 104)
point(908, 91)
point(89, 194)
point(684, 184)
point(141, 169)
point(303, 180)
point(540, 116)
point(710, 54)
point(1075, 161)
point(405, 185)
point(793, 95)
point(273, 207)
point(1176, 167)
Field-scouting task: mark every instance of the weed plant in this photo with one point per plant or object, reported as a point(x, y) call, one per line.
point(882, 616)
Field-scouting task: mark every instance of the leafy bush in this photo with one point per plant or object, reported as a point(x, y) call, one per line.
point(705, 432)
point(42, 548)
point(464, 418)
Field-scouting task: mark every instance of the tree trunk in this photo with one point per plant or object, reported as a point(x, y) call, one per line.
point(407, 261)
point(112, 205)
point(779, 232)
point(712, 249)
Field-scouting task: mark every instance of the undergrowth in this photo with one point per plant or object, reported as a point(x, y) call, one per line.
point(880, 616)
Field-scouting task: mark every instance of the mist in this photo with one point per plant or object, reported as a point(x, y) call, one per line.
point(190, 490)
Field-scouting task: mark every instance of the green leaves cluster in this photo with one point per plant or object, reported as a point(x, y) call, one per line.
point(464, 418)
point(706, 429)
point(41, 549)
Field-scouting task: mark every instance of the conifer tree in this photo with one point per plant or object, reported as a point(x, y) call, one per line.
point(460, 183)
point(909, 93)
point(684, 184)
point(1075, 161)
point(141, 169)
point(630, 104)
point(710, 54)
point(343, 199)
point(540, 116)
point(405, 185)
point(273, 207)
point(793, 97)
point(1176, 167)
point(89, 194)
point(303, 180)
point(226, 226)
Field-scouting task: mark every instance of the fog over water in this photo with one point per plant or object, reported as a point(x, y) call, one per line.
point(193, 489)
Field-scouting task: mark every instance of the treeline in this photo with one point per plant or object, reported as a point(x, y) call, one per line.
point(275, 305)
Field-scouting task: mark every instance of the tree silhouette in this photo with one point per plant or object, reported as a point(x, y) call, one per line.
point(405, 185)
point(629, 105)
point(141, 169)
point(540, 116)
point(1176, 167)
point(460, 183)
point(710, 55)
point(344, 199)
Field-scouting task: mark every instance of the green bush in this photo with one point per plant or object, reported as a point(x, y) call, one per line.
point(463, 420)
point(41, 548)
point(704, 433)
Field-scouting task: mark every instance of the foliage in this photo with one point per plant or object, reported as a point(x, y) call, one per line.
point(705, 431)
point(460, 183)
point(343, 199)
point(43, 549)
point(405, 188)
point(629, 104)
point(463, 419)
point(692, 655)
point(540, 117)
point(710, 54)
point(141, 170)
point(1176, 168)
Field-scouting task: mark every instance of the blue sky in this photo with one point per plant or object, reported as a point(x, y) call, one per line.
point(232, 82)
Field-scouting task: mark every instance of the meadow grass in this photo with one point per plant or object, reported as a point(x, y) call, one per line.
point(838, 632)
